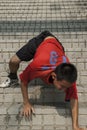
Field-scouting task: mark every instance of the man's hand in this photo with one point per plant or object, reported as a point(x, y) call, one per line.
point(74, 110)
point(27, 110)
point(77, 128)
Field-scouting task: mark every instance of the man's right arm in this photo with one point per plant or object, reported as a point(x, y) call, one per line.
point(27, 108)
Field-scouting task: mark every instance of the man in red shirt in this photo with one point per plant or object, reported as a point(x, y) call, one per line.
point(51, 65)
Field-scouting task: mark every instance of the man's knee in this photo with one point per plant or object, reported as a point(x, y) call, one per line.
point(15, 60)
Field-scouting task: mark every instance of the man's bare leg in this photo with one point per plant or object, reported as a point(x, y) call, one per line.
point(14, 64)
point(13, 68)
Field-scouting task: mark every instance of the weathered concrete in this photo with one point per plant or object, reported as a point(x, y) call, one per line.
point(21, 20)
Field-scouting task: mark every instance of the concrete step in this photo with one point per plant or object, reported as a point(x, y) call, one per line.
point(48, 117)
point(13, 10)
point(20, 20)
point(51, 112)
point(11, 49)
point(39, 94)
point(72, 45)
point(12, 40)
point(35, 25)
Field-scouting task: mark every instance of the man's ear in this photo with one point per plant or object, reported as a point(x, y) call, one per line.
point(53, 75)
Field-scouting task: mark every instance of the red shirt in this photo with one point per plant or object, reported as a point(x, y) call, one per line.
point(48, 55)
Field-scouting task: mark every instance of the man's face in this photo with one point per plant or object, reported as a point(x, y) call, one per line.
point(61, 85)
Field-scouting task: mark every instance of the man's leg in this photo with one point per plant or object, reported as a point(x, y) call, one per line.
point(12, 79)
point(14, 66)
point(26, 53)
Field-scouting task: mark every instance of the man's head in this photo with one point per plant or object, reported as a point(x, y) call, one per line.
point(64, 75)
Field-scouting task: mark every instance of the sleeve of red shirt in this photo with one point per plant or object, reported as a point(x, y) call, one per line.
point(71, 93)
point(29, 73)
point(25, 76)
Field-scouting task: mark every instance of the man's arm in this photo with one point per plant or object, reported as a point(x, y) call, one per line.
point(27, 109)
point(74, 111)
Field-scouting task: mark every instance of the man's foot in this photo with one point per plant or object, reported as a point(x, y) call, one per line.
point(9, 83)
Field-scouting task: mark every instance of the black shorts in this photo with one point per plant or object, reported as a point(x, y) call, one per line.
point(26, 53)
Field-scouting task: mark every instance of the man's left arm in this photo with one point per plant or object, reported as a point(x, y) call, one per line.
point(74, 112)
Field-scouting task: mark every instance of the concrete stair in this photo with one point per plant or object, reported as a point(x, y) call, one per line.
point(51, 110)
point(20, 21)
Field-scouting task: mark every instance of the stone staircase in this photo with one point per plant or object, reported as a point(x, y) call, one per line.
point(20, 21)
point(52, 113)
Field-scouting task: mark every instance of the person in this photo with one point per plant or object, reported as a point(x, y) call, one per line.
point(49, 63)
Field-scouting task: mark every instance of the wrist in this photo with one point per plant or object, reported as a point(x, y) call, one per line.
point(75, 127)
point(26, 102)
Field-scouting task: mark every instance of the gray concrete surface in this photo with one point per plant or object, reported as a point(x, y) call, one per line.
point(21, 20)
